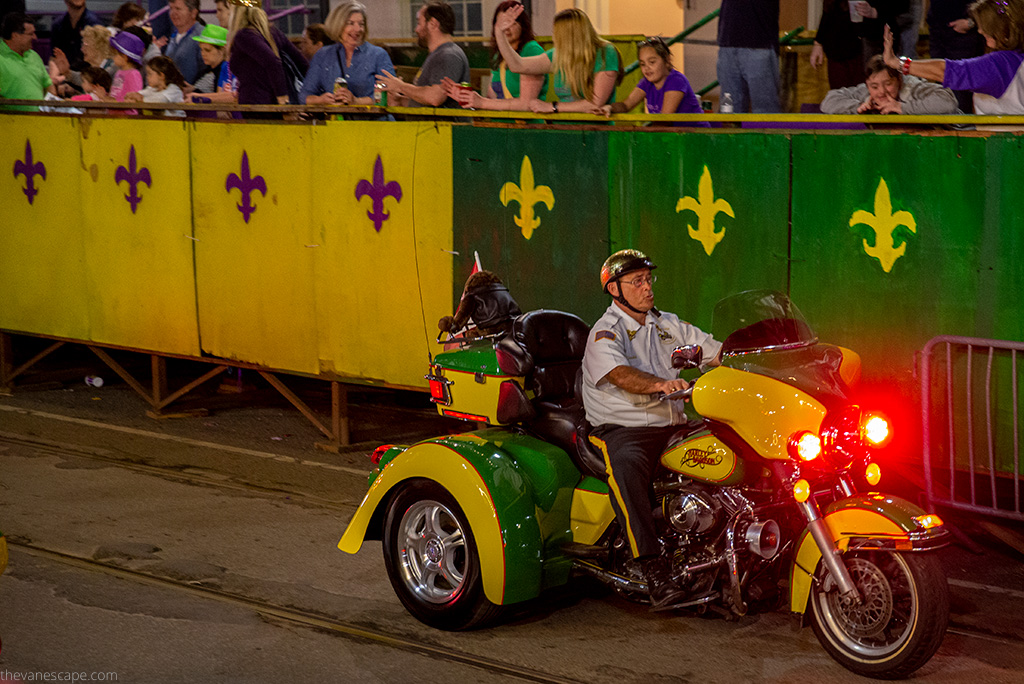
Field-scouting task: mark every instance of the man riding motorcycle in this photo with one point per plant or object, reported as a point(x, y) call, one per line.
point(628, 361)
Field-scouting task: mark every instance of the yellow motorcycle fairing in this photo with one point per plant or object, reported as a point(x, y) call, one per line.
point(889, 520)
point(457, 474)
point(763, 411)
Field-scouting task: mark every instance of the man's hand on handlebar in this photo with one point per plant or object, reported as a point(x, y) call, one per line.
point(670, 386)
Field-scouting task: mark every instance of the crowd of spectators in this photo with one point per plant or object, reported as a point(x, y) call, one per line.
point(870, 47)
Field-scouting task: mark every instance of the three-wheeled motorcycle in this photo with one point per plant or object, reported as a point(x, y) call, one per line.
point(763, 501)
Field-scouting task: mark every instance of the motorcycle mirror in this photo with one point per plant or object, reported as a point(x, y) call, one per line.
point(687, 357)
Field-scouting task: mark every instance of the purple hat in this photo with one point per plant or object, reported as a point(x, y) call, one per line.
point(128, 45)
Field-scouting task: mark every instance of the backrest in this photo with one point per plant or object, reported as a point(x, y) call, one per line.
point(555, 342)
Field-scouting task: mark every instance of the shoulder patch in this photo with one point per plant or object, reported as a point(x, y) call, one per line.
point(604, 335)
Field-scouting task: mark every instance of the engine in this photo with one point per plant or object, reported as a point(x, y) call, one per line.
point(690, 511)
point(700, 515)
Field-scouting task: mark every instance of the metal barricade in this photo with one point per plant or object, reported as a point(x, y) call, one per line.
point(969, 404)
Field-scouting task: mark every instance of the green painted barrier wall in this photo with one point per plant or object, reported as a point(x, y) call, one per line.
point(534, 205)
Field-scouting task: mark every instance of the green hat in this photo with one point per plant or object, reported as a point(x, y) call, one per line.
point(213, 34)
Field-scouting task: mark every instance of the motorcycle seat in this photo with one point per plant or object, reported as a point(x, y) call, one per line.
point(546, 347)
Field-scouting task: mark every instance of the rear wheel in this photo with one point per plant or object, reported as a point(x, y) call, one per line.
point(432, 561)
point(900, 621)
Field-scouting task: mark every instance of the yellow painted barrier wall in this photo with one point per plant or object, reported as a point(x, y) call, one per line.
point(322, 250)
point(77, 261)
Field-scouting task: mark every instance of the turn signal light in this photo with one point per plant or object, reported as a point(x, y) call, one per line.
point(928, 521)
point(876, 429)
point(801, 491)
point(873, 474)
point(805, 445)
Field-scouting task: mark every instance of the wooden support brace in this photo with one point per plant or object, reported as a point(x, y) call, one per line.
point(190, 386)
point(125, 375)
point(297, 403)
point(7, 371)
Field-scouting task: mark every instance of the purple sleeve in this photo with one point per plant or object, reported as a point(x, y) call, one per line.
point(689, 104)
point(990, 74)
point(261, 58)
point(645, 86)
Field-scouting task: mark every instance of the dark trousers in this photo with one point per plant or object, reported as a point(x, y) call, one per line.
point(630, 456)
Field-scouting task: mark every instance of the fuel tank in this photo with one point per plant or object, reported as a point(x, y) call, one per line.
point(704, 457)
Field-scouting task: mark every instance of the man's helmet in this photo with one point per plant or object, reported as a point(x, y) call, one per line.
point(623, 262)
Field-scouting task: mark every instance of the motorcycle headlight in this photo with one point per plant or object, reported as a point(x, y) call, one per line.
point(843, 436)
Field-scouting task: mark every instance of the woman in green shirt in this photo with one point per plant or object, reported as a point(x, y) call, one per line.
point(586, 68)
point(508, 90)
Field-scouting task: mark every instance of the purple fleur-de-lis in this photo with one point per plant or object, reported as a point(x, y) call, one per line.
point(377, 191)
point(29, 169)
point(245, 185)
point(133, 178)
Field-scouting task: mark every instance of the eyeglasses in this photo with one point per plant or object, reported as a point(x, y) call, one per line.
point(652, 41)
point(642, 280)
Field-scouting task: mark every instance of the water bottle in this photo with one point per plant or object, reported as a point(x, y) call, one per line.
point(93, 381)
point(339, 84)
point(725, 107)
point(380, 95)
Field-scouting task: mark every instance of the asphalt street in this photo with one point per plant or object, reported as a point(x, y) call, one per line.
point(238, 503)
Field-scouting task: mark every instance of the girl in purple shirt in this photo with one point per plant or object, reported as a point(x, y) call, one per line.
point(665, 90)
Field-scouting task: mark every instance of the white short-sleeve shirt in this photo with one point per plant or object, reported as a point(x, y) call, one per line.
point(618, 340)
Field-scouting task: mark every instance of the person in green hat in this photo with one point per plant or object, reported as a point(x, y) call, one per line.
point(215, 82)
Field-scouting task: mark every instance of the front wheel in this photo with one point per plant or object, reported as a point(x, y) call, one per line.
point(432, 561)
point(900, 621)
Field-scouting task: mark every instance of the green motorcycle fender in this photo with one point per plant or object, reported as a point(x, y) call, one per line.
point(886, 522)
point(514, 490)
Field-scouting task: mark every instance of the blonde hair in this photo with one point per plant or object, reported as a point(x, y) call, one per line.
point(576, 47)
point(1001, 19)
point(244, 17)
point(99, 38)
point(336, 20)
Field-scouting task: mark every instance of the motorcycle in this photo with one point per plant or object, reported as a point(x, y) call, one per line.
point(762, 501)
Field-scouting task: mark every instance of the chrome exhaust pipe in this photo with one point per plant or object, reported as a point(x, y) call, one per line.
point(609, 578)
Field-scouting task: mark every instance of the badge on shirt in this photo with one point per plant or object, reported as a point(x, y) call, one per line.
point(604, 335)
point(632, 334)
point(663, 335)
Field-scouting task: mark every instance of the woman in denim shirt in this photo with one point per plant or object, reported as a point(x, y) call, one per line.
point(351, 57)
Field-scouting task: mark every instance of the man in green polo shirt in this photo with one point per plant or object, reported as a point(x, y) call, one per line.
point(22, 72)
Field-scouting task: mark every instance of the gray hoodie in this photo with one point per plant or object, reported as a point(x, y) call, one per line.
point(917, 95)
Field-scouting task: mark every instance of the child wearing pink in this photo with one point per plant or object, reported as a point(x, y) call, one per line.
point(128, 49)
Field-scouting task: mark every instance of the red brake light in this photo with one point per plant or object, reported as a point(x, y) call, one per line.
point(804, 445)
point(875, 429)
point(379, 452)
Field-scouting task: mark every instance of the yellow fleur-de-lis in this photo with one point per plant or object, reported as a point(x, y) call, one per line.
point(527, 196)
point(884, 224)
point(706, 207)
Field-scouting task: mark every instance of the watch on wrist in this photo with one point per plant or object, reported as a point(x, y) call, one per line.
point(554, 107)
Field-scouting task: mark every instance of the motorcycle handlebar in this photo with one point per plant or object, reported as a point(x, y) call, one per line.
point(678, 394)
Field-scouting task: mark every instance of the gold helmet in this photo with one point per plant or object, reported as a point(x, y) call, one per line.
point(623, 262)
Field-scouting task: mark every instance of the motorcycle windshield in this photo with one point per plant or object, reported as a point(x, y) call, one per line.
point(759, 320)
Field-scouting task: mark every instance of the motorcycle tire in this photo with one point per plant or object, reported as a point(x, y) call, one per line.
point(432, 560)
point(900, 623)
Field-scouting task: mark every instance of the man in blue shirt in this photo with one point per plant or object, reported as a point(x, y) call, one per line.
point(180, 47)
point(67, 32)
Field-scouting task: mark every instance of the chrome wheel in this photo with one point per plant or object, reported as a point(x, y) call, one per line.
point(899, 621)
point(432, 560)
point(881, 620)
